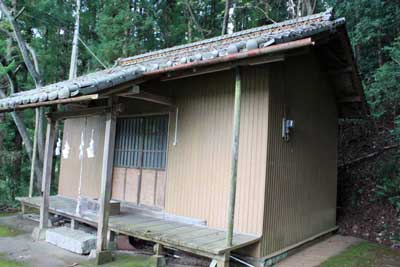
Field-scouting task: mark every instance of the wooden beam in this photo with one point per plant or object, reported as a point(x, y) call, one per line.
point(135, 93)
point(47, 170)
point(222, 67)
point(234, 160)
point(149, 97)
point(79, 113)
point(106, 183)
point(53, 102)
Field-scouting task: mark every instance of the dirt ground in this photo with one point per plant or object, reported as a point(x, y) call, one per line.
point(19, 248)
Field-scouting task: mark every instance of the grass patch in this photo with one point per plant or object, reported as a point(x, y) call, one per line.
point(124, 260)
point(365, 255)
point(4, 262)
point(6, 214)
point(6, 231)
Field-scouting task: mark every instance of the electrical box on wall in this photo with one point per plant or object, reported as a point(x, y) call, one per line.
point(287, 128)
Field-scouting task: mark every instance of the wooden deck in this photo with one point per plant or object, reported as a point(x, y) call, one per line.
point(197, 239)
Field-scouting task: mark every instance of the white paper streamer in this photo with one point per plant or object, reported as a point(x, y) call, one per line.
point(65, 151)
point(90, 149)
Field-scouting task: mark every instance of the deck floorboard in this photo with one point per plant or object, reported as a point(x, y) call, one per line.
point(192, 238)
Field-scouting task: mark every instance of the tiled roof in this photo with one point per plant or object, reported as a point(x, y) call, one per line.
point(131, 68)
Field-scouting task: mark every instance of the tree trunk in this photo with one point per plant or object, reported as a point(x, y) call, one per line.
point(225, 22)
point(74, 54)
point(308, 7)
point(22, 45)
point(17, 162)
point(33, 69)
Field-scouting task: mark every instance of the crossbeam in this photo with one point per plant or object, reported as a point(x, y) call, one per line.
point(136, 93)
point(62, 115)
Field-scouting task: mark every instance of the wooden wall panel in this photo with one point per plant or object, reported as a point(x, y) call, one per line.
point(92, 166)
point(160, 189)
point(132, 185)
point(119, 182)
point(70, 167)
point(148, 187)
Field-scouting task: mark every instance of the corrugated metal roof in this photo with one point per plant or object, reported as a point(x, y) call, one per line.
point(129, 69)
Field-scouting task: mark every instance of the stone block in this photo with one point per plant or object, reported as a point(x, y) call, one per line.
point(76, 241)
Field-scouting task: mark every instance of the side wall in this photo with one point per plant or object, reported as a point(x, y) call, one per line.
point(300, 190)
point(199, 165)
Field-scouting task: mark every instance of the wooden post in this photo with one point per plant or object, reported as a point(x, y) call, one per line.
point(34, 153)
point(105, 193)
point(47, 170)
point(234, 160)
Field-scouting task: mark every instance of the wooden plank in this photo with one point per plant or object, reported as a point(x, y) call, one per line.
point(106, 182)
point(148, 187)
point(47, 171)
point(61, 115)
point(119, 181)
point(167, 226)
point(132, 185)
point(202, 241)
point(188, 236)
point(182, 230)
point(160, 188)
point(220, 247)
point(146, 225)
point(132, 221)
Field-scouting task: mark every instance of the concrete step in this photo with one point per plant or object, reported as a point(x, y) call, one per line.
point(76, 241)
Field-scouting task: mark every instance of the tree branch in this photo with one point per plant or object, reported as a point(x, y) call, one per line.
point(225, 22)
point(368, 156)
point(22, 45)
point(259, 9)
point(189, 7)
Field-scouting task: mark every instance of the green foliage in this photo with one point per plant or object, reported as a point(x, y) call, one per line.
point(4, 69)
point(389, 188)
point(6, 231)
point(4, 262)
point(364, 255)
point(388, 183)
point(383, 92)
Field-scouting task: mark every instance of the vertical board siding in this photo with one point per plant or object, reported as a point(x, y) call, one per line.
point(70, 167)
point(198, 170)
point(92, 166)
point(300, 194)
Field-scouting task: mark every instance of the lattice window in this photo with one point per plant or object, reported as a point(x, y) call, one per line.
point(141, 142)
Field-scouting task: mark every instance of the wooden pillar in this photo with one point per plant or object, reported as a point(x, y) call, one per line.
point(34, 152)
point(221, 260)
point(105, 193)
point(234, 160)
point(47, 171)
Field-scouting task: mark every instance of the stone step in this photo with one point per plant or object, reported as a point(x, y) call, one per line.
point(76, 241)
